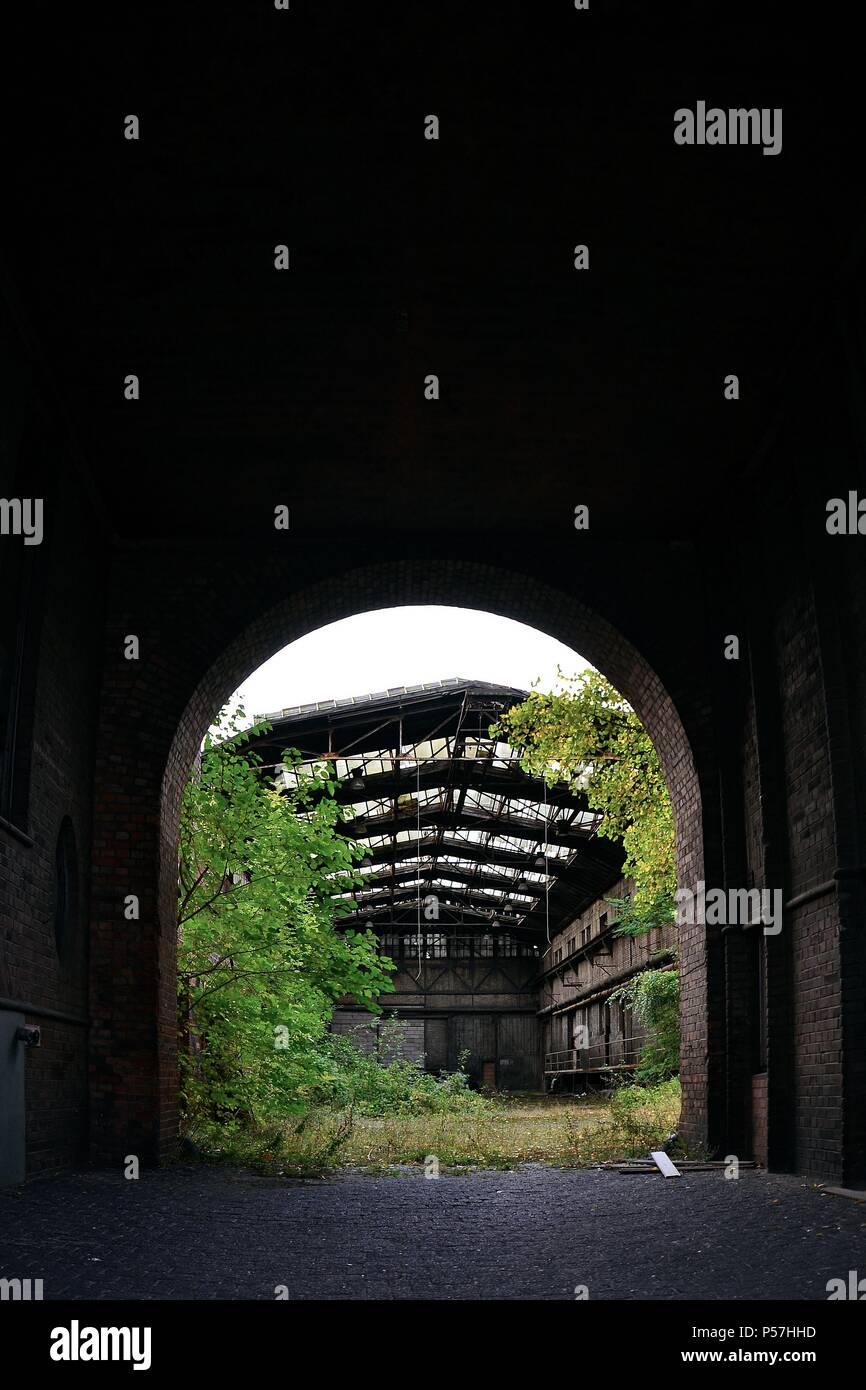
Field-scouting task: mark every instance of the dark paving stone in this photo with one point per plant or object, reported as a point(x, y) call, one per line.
point(203, 1233)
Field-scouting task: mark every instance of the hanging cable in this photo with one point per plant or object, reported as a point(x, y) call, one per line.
point(418, 854)
point(546, 868)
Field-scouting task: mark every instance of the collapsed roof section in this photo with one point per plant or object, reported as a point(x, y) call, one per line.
point(458, 837)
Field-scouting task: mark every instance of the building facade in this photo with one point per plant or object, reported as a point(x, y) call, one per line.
point(304, 390)
point(470, 863)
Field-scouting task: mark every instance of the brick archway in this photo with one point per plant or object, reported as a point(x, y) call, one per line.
point(133, 1071)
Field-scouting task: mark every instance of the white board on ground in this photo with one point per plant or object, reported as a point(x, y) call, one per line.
point(663, 1162)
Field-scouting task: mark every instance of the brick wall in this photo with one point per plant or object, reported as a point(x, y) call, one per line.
point(57, 734)
point(206, 618)
point(152, 714)
point(759, 1118)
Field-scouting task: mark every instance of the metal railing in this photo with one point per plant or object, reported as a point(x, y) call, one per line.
point(600, 1055)
point(441, 946)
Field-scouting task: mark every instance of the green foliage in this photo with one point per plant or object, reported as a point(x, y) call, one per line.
point(633, 918)
point(654, 996)
point(591, 738)
point(259, 963)
point(370, 1084)
point(502, 1132)
point(644, 1115)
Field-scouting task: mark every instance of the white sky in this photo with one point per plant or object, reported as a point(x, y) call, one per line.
point(405, 646)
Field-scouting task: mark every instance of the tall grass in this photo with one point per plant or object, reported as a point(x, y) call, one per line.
point(498, 1133)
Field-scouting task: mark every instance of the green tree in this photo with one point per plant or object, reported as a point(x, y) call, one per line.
point(260, 965)
point(589, 737)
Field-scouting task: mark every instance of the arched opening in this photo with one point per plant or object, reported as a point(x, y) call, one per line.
point(674, 725)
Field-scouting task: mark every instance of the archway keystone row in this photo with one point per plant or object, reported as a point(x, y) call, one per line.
point(199, 640)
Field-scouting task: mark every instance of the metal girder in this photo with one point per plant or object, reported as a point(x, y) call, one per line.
point(604, 857)
point(450, 719)
point(474, 773)
point(519, 827)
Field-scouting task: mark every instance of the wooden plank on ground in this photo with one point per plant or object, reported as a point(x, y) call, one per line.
point(664, 1164)
point(652, 1169)
point(685, 1165)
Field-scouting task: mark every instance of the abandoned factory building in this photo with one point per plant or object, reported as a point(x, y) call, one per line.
point(487, 888)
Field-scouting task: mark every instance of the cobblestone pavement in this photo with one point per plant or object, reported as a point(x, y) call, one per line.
point(193, 1232)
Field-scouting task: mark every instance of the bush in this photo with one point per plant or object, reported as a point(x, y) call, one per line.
point(369, 1084)
point(654, 996)
point(638, 1110)
point(638, 1120)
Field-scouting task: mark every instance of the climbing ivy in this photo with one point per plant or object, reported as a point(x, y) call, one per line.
point(654, 998)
